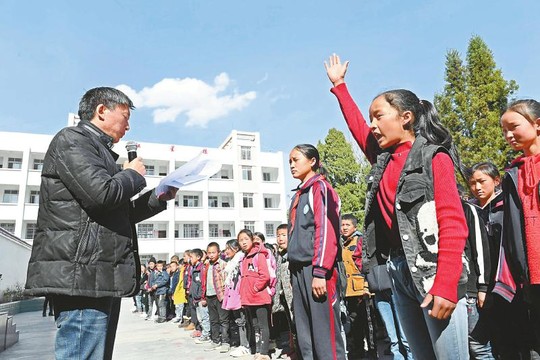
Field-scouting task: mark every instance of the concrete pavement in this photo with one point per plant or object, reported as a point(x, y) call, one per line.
point(135, 339)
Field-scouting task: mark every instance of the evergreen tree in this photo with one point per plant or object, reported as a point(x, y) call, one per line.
point(471, 104)
point(345, 173)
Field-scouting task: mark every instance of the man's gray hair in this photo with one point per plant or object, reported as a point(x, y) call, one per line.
point(110, 97)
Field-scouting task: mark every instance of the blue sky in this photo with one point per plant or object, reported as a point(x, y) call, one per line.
point(209, 67)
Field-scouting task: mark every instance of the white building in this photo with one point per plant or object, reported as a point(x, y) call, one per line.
point(248, 192)
point(15, 256)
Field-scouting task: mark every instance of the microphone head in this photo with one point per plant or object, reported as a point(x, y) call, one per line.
point(131, 146)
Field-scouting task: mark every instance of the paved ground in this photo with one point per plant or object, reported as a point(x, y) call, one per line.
point(136, 339)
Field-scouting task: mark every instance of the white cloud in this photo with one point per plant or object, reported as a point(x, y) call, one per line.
point(199, 101)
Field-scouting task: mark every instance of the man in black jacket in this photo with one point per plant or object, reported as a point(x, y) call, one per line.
point(85, 250)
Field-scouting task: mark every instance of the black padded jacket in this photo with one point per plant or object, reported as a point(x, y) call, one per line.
point(85, 243)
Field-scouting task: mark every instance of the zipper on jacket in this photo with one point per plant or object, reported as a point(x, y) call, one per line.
point(83, 241)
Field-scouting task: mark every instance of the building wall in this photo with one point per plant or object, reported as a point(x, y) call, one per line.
point(247, 192)
point(15, 256)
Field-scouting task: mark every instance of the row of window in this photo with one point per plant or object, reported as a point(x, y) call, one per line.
point(12, 196)
point(247, 174)
point(145, 231)
point(29, 233)
point(16, 163)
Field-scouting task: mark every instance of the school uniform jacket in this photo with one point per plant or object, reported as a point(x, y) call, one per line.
point(314, 238)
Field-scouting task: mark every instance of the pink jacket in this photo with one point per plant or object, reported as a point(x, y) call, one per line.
point(255, 278)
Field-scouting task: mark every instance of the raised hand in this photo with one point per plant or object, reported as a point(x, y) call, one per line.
point(336, 70)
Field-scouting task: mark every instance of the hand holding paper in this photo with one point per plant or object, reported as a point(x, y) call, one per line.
point(197, 169)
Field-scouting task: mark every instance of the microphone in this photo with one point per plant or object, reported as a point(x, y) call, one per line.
point(131, 147)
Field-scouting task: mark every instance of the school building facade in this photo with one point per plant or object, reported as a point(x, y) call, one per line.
point(248, 191)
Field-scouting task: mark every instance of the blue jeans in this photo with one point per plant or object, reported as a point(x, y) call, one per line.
point(428, 337)
point(204, 319)
point(86, 327)
point(385, 304)
point(479, 344)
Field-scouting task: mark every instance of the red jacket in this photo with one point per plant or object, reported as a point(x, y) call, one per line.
point(255, 277)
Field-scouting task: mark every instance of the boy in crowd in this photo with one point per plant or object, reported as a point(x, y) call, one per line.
point(151, 294)
point(160, 285)
point(212, 282)
point(356, 299)
point(196, 292)
point(176, 291)
point(282, 299)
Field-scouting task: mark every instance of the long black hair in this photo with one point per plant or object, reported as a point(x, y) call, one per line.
point(426, 122)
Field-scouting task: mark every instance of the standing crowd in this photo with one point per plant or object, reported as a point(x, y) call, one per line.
point(441, 275)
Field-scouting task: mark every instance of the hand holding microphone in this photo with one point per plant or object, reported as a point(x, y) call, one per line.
point(134, 162)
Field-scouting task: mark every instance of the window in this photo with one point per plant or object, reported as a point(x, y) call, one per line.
point(247, 199)
point(268, 203)
point(213, 201)
point(34, 197)
point(145, 231)
point(31, 230)
point(245, 152)
point(225, 174)
point(191, 201)
point(214, 230)
point(250, 225)
point(267, 176)
point(10, 196)
point(14, 163)
point(162, 234)
point(150, 170)
point(269, 230)
point(246, 173)
point(10, 227)
point(225, 202)
point(38, 164)
point(191, 230)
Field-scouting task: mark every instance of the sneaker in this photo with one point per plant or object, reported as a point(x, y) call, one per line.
point(240, 351)
point(224, 348)
point(143, 315)
point(190, 327)
point(202, 340)
point(176, 320)
point(212, 346)
point(196, 334)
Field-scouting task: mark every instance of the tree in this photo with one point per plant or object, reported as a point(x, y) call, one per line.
point(471, 104)
point(345, 172)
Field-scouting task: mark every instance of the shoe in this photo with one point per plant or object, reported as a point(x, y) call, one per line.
point(51, 314)
point(224, 348)
point(212, 346)
point(143, 315)
point(190, 327)
point(240, 351)
point(202, 340)
point(176, 320)
point(160, 320)
point(196, 334)
point(44, 315)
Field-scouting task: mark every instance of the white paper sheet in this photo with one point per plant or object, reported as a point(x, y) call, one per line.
point(201, 167)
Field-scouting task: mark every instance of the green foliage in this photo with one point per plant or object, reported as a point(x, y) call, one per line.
point(470, 106)
point(344, 172)
point(14, 293)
